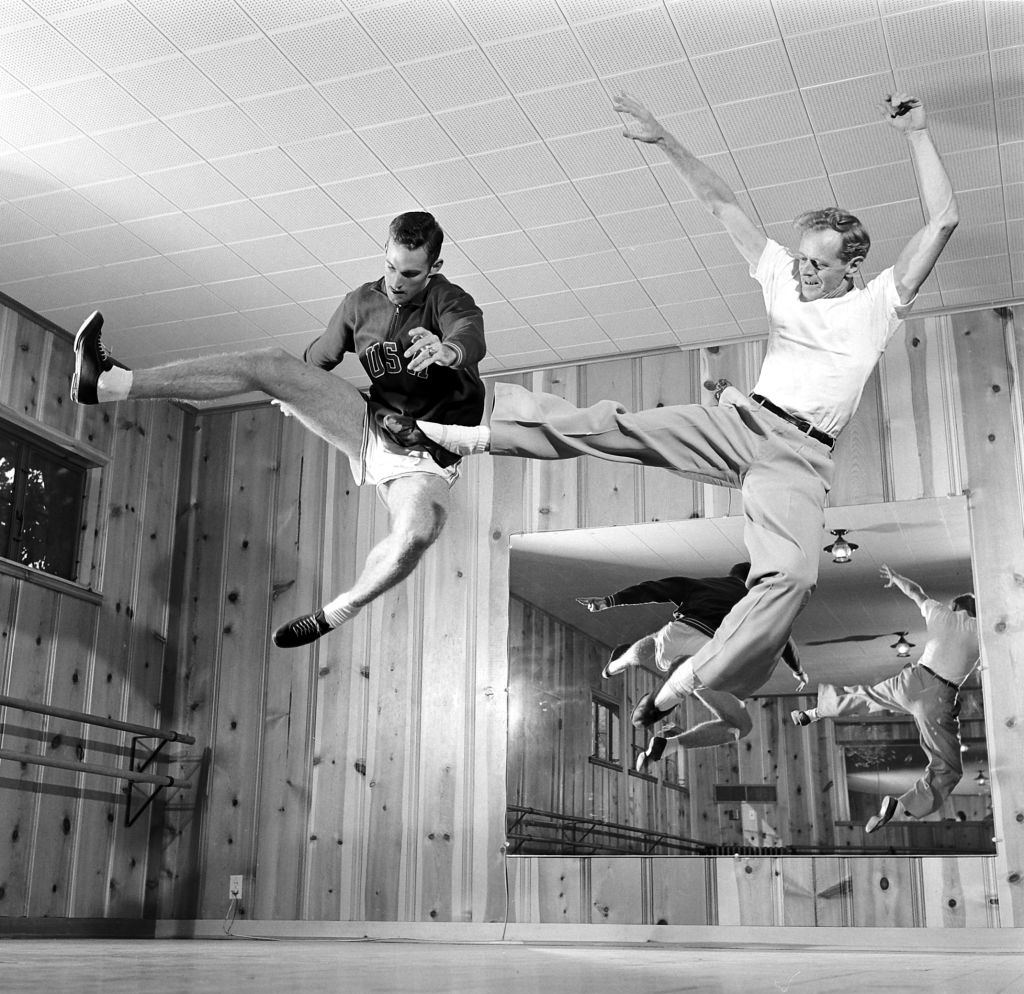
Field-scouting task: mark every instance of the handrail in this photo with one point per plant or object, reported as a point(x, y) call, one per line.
point(104, 771)
point(168, 735)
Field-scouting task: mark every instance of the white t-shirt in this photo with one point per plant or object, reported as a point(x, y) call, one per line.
point(821, 352)
point(952, 649)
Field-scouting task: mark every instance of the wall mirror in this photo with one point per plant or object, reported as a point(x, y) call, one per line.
point(572, 785)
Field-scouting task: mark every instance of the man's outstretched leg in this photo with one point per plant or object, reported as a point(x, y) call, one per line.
point(418, 505)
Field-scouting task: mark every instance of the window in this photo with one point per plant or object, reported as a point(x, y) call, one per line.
point(42, 493)
point(605, 737)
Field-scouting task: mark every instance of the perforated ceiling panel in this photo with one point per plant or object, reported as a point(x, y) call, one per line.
point(223, 170)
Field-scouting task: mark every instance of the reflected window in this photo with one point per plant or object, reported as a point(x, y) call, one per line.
point(605, 730)
point(42, 494)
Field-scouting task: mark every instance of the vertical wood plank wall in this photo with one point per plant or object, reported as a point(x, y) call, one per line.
point(364, 777)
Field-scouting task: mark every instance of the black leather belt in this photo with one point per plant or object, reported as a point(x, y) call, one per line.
point(805, 426)
point(941, 679)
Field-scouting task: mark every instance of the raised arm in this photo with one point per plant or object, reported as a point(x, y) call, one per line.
point(906, 114)
point(908, 587)
point(706, 185)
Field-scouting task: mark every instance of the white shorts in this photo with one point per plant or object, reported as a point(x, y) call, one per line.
point(381, 460)
point(674, 640)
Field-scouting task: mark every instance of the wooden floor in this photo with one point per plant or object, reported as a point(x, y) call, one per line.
point(246, 966)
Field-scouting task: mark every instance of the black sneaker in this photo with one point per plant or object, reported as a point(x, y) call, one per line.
point(404, 431)
point(645, 713)
point(654, 751)
point(301, 631)
point(91, 359)
point(799, 717)
point(885, 813)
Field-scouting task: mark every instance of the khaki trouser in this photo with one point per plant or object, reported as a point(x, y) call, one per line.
point(935, 708)
point(783, 475)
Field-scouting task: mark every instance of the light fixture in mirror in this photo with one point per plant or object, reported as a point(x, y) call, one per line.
point(573, 784)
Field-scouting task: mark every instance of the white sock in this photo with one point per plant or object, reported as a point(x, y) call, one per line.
point(463, 440)
point(338, 611)
point(114, 384)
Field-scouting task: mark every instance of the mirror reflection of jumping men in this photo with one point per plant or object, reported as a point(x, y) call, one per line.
point(701, 604)
point(825, 337)
point(418, 337)
point(927, 690)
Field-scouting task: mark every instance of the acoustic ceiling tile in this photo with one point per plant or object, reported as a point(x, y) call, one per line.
point(680, 287)
point(43, 257)
point(443, 182)
point(962, 128)
point(37, 54)
point(771, 118)
point(572, 353)
point(595, 269)
point(978, 295)
point(570, 332)
point(953, 83)
point(518, 168)
point(1011, 158)
point(802, 16)
point(95, 104)
point(639, 227)
point(197, 23)
point(169, 86)
point(490, 22)
point(1010, 118)
point(695, 219)
point(568, 110)
point(310, 283)
point(972, 241)
point(546, 205)
point(1014, 197)
point(861, 147)
point(414, 30)
point(340, 242)
point(292, 116)
point(457, 79)
point(498, 251)
point(248, 68)
point(146, 147)
point(697, 130)
point(631, 190)
point(1005, 23)
point(373, 98)
point(715, 333)
point(1008, 70)
point(249, 292)
point(666, 89)
point(563, 241)
point(410, 143)
point(499, 316)
point(713, 27)
point(64, 210)
point(931, 34)
point(594, 154)
point(334, 157)
point(745, 306)
point(850, 102)
point(734, 279)
point(114, 35)
point(831, 55)
point(629, 41)
point(156, 274)
point(476, 218)
point(113, 243)
point(218, 131)
point(865, 187)
point(643, 329)
point(715, 249)
point(329, 49)
point(297, 210)
point(372, 196)
point(744, 73)
point(697, 313)
point(77, 161)
point(785, 160)
point(284, 319)
point(236, 222)
point(540, 61)
point(322, 311)
point(356, 272)
point(456, 263)
point(272, 15)
point(212, 264)
point(614, 299)
point(26, 120)
point(126, 199)
point(17, 13)
point(487, 127)
point(964, 274)
point(189, 187)
point(1017, 270)
point(548, 307)
point(784, 202)
point(676, 255)
point(897, 220)
point(985, 206)
point(266, 171)
point(17, 226)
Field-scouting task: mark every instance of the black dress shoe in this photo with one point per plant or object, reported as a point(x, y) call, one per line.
point(885, 813)
point(404, 431)
point(654, 751)
point(301, 631)
point(645, 713)
point(91, 359)
point(608, 671)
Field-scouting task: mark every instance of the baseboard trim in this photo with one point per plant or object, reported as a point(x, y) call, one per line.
point(77, 928)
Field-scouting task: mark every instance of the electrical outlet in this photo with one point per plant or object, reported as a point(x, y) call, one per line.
point(235, 887)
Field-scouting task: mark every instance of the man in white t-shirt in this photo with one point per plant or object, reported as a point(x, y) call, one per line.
point(927, 690)
point(825, 336)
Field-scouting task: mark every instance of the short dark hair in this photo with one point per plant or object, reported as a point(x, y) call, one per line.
point(740, 571)
point(418, 229)
point(855, 239)
point(965, 602)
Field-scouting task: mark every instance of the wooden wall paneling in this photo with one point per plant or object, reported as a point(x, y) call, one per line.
point(678, 889)
point(28, 678)
point(813, 891)
point(563, 887)
point(990, 362)
point(517, 695)
point(581, 655)
point(666, 380)
point(958, 892)
point(62, 792)
point(609, 490)
point(56, 408)
point(298, 507)
point(748, 891)
point(553, 500)
point(861, 470)
point(905, 437)
point(10, 365)
point(755, 759)
point(887, 891)
point(946, 410)
point(31, 351)
point(616, 896)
